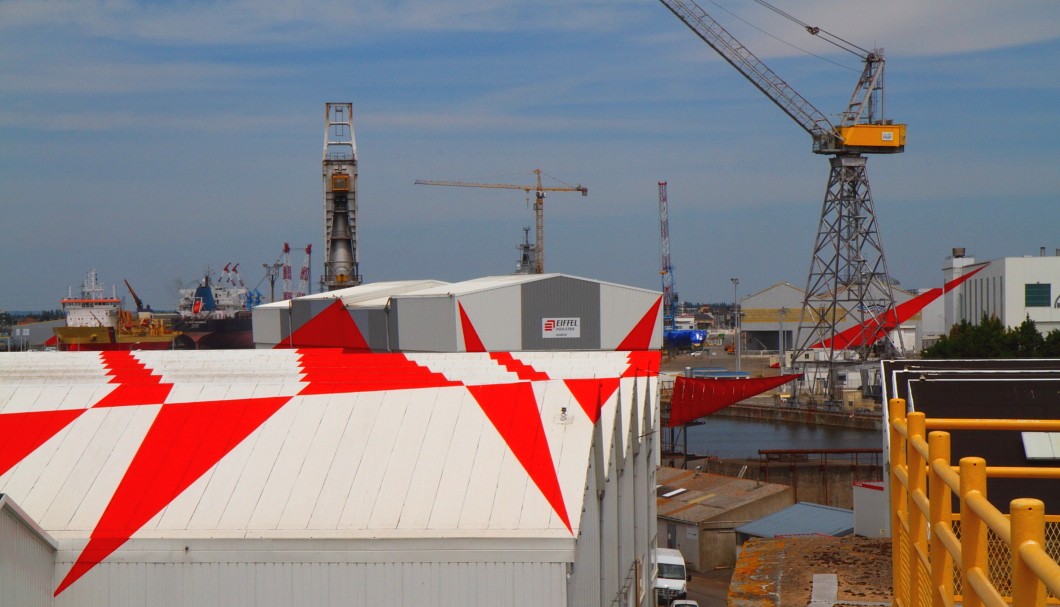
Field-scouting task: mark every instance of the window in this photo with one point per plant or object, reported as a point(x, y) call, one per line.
point(1037, 295)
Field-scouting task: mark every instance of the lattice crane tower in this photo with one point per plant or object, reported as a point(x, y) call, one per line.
point(667, 271)
point(341, 268)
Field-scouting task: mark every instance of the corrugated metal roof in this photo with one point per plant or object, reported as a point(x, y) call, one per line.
point(802, 519)
point(707, 495)
point(363, 295)
point(317, 443)
point(338, 456)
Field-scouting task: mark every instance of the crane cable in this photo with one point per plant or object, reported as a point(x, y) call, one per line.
point(825, 35)
point(784, 42)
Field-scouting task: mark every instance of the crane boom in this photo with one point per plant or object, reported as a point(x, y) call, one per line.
point(861, 131)
point(539, 205)
point(751, 67)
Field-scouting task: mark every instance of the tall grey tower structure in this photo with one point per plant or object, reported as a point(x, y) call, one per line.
point(340, 198)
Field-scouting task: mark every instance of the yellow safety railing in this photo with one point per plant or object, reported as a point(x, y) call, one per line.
point(941, 558)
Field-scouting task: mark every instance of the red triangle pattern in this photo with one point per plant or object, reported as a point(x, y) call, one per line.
point(522, 370)
point(184, 441)
point(640, 337)
point(512, 408)
point(642, 363)
point(23, 432)
point(591, 394)
point(472, 342)
point(137, 385)
point(875, 329)
point(331, 328)
point(698, 397)
point(333, 371)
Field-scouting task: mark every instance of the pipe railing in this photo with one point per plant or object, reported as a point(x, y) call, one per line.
point(928, 555)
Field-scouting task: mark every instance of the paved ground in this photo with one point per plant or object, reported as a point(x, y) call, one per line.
point(710, 589)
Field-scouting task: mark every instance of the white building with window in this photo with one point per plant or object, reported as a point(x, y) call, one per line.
point(1010, 288)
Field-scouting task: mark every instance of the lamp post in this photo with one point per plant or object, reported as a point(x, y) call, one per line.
point(783, 313)
point(736, 321)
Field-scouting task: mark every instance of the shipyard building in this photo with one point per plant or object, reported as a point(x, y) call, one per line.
point(471, 461)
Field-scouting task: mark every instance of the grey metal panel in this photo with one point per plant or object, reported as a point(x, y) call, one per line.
point(426, 324)
point(494, 314)
point(561, 297)
point(27, 560)
point(621, 308)
point(270, 325)
point(374, 325)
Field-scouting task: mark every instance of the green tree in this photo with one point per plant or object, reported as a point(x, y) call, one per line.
point(1025, 341)
point(990, 339)
point(1051, 345)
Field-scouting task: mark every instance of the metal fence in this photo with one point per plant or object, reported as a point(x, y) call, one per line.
point(978, 555)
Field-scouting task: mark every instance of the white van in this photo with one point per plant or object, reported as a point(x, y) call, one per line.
point(671, 575)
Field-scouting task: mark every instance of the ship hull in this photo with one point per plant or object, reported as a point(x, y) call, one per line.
point(102, 339)
point(215, 333)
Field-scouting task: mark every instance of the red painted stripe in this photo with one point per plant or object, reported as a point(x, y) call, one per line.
point(472, 342)
point(185, 441)
point(23, 432)
point(513, 410)
point(331, 328)
point(640, 337)
point(522, 370)
point(332, 372)
point(591, 394)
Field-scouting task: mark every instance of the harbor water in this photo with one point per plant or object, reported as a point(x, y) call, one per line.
point(735, 438)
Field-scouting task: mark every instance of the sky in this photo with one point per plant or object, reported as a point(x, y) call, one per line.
point(156, 141)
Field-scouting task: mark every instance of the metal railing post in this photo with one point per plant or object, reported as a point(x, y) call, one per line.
point(941, 500)
point(1028, 525)
point(896, 413)
point(973, 529)
point(917, 477)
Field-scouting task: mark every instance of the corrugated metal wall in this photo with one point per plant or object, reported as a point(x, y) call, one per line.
point(270, 324)
point(561, 297)
point(494, 313)
point(26, 563)
point(620, 309)
point(317, 584)
point(428, 324)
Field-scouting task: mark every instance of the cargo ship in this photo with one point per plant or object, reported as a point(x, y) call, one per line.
point(95, 322)
point(216, 315)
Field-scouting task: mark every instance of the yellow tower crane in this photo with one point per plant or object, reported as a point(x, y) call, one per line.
point(539, 205)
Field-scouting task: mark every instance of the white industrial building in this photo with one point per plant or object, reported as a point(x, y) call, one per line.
point(776, 311)
point(333, 476)
point(519, 312)
point(1011, 288)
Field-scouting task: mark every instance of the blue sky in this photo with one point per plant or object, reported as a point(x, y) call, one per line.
point(151, 140)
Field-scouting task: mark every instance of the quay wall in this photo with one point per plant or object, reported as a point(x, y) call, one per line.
point(803, 415)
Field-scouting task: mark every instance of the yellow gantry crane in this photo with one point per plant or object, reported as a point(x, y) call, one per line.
point(539, 205)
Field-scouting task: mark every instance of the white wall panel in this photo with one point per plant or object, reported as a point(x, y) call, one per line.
point(320, 584)
point(26, 561)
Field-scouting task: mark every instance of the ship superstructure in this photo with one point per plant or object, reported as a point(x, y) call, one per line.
point(216, 314)
point(98, 322)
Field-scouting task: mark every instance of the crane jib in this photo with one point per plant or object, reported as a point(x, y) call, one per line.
point(860, 130)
